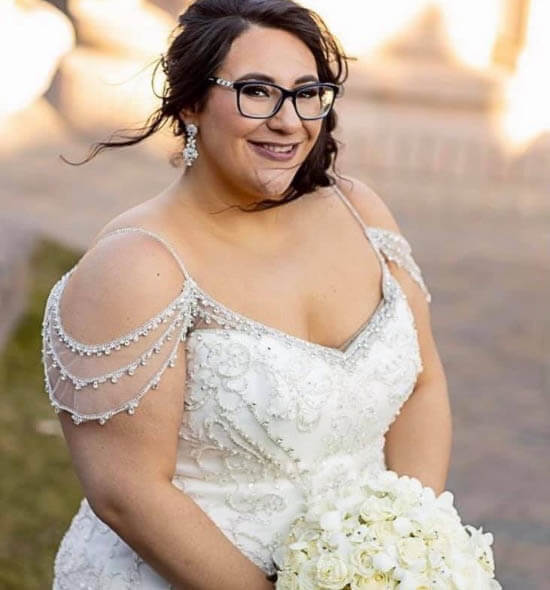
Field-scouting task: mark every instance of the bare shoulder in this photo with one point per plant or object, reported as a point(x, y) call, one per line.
point(122, 280)
point(369, 204)
point(391, 243)
point(147, 215)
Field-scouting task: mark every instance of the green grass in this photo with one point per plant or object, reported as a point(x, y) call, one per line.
point(39, 492)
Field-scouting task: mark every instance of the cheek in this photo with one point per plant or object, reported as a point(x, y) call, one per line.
point(225, 124)
point(314, 130)
point(224, 138)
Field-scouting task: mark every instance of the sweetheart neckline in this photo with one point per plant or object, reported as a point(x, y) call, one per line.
point(191, 287)
point(191, 284)
point(339, 353)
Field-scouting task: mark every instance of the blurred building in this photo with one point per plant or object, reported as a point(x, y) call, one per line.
point(441, 87)
point(445, 114)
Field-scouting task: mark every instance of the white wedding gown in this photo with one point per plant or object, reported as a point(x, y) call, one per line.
point(268, 417)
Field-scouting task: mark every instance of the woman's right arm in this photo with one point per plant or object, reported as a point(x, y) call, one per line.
point(126, 465)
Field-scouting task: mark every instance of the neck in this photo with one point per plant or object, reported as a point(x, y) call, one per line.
point(216, 203)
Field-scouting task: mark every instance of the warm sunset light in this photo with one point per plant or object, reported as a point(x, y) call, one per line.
point(32, 40)
point(472, 27)
point(528, 112)
point(364, 26)
point(119, 40)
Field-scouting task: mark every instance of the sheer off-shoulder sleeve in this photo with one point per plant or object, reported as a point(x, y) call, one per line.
point(397, 249)
point(95, 381)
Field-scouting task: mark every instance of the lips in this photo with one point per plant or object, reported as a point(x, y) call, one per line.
point(274, 151)
point(275, 147)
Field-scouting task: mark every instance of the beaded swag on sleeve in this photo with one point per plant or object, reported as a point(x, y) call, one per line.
point(397, 249)
point(97, 381)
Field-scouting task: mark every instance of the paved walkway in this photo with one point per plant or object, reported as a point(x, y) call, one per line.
point(489, 273)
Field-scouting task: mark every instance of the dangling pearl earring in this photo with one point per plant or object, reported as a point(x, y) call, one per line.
point(190, 152)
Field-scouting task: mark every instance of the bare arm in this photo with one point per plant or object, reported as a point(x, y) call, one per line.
point(418, 443)
point(126, 466)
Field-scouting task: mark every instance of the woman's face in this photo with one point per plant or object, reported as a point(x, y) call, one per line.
point(258, 157)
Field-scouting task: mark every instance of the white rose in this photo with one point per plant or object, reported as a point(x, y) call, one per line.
point(297, 558)
point(332, 572)
point(377, 581)
point(374, 509)
point(307, 577)
point(413, 552)
point(381, 532)
point(413, 581)
point(361, 560)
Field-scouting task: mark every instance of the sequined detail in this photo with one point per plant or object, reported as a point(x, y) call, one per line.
point(391, 244)
point(396, 248)
point(269, 418)
point(60, 353)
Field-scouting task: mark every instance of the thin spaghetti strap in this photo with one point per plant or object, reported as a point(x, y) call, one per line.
point(388, 245)
point(383, 268)
point(157, 237)
point(350, 207)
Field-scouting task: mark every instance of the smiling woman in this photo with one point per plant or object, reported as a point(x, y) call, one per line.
point(213, 37)
point(279, 317)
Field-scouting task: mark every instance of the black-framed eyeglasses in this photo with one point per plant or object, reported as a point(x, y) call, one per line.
point(262, 100)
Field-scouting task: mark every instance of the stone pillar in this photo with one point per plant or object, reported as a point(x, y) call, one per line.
point(105, 83)
point(512, 33)
point(33, 38)
point(527, 115)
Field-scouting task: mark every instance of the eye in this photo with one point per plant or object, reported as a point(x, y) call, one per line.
point(257, 90)
point(312, 92)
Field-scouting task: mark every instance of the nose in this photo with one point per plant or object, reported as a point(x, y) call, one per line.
point(286, 118)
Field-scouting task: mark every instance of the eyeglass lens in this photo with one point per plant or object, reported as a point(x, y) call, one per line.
point(261, 100)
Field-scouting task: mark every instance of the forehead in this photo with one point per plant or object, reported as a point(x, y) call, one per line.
point(274, 52)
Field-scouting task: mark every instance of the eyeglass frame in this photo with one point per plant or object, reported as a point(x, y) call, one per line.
point(285, 93)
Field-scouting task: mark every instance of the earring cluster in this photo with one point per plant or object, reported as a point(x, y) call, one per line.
point(190, 152)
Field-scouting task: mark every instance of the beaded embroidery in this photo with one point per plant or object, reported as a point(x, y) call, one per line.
point(269, 418)
point(395, 247)
point(194, 304)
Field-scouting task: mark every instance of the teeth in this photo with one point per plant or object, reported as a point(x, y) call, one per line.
point(277, 148)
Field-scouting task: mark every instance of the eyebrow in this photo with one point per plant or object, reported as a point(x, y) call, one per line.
point(266, 78)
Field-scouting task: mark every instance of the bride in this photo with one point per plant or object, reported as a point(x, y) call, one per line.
point(257, 331)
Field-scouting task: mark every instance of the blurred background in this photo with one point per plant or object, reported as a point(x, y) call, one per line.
point(446, 115)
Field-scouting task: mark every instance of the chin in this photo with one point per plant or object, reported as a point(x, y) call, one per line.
point(274, 186)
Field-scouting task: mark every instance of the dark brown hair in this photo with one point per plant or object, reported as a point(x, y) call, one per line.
point(198, 47)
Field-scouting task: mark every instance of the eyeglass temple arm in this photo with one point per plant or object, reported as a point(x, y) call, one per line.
point(221, 82)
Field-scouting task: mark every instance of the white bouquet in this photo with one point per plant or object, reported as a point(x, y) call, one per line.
point(388, 533)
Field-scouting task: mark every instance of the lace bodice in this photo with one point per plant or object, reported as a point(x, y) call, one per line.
point(269, 418)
